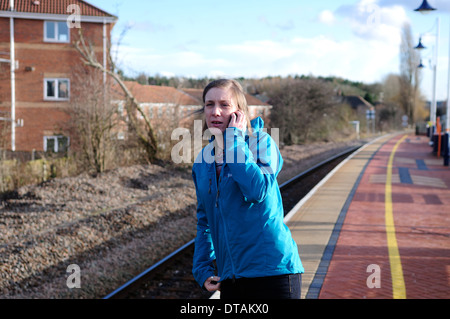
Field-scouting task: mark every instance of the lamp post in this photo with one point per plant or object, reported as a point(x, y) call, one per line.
point(433, 107)
point(420, 46)
point(425, 8)
point(421, 66)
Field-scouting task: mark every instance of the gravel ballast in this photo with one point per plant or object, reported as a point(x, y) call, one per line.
point(112, 226)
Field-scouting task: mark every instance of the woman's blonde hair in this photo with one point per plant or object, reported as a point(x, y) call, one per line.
point(238, 94)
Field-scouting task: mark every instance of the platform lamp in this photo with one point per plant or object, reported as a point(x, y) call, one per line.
point(421, 66)
point(420, 46)
point(425, 8)
point(433, 107)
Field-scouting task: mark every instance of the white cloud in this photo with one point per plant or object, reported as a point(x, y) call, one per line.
point(135, 60)
point(368, 57)
point(286, 25)
point(359, 60)
point(326, 17)
point(370, 21)
point(264, 50)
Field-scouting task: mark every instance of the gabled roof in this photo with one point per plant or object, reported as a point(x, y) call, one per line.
point(53, 7)
point(251, 100)
point(146, 94)
point(354, 101)
point(196, 94)
point(157, 94)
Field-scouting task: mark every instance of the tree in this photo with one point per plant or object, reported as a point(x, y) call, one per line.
point(409, 74)
point(93, 119)
point(142, 128)
point(301, 108)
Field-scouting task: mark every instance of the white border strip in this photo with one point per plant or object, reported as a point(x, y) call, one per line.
point(294, 210)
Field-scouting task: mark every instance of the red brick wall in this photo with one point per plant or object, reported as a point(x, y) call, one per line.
point(45, 120)
point(47, 60)
point(4, 30)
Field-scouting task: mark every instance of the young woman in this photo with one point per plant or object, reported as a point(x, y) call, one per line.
point(240, 226)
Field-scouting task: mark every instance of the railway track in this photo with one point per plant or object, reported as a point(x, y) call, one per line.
point(171, 277)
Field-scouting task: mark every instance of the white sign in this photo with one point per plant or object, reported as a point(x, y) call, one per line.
point(370, 114)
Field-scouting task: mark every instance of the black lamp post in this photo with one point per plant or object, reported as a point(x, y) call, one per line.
point(425, 7)
point(420, 46)
point(421, 66)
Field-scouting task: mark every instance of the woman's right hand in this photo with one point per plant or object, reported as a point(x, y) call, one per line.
point(212, 284)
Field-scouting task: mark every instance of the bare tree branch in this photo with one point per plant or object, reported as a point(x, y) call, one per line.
point(146, 136)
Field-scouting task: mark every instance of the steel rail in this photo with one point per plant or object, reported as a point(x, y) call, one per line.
point(318, 166)
point(137, 281)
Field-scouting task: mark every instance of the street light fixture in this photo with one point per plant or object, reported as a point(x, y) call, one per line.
point(421, 66)
point(425, 7)
point(420, 46)
point(433, 106)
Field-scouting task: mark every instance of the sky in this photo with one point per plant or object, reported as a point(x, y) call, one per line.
point(357, 40)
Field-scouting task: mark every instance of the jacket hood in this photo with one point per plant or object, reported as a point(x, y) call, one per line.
point(257, 124)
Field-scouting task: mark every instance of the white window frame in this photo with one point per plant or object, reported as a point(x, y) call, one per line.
point(56, 38)
point(56, 144)
point(56, 97)
point(121, 136)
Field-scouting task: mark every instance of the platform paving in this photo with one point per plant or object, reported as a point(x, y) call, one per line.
point(379, 225)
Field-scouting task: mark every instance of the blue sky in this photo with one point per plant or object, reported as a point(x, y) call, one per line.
point(354, 39)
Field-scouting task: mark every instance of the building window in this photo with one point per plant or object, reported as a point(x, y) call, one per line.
point(56, 31)
point(56, 89)
point(120, 108)
point(56, 144)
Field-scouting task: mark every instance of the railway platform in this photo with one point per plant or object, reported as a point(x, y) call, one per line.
point(378, 226)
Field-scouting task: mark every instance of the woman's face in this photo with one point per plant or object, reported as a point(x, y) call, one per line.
point(219, 105)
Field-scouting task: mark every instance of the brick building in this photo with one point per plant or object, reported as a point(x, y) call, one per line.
point(168, 107)
point(256, 107)
point(36, 89)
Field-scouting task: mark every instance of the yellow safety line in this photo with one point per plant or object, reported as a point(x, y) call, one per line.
point(398, 283)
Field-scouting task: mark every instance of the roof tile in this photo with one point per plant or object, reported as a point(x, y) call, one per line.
point(158, 94)
point(53, 7)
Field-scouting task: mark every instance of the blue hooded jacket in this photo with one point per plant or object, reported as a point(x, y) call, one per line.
point(240, 214)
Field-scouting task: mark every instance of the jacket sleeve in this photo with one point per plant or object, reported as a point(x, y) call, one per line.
point(254, 165)
point(204, 255)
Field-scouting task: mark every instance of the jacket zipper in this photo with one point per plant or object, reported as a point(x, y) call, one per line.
point(223, 220)
point(218, 189)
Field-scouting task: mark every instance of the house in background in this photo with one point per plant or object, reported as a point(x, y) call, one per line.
point(364, 111)
point(357, 103)
point(165, 106)
point(168, 107)
point(35, 90)
point(256, 107)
